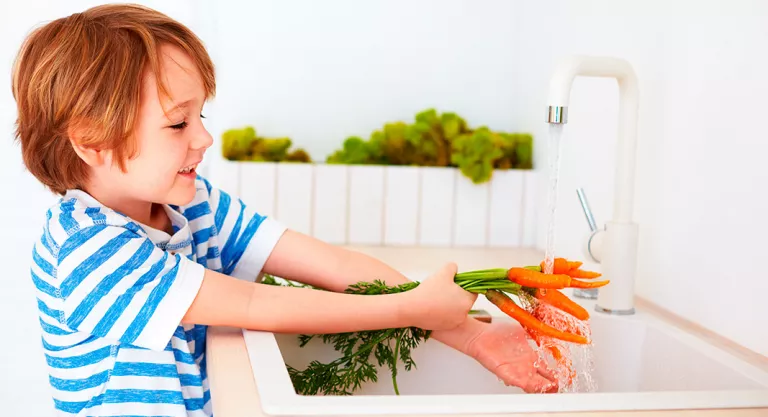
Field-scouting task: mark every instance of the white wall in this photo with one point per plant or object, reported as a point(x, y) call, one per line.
point(321, 71)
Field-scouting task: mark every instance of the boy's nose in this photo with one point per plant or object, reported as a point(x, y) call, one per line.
point(203, 140)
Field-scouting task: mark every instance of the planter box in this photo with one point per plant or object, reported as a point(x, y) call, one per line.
point(388, 205)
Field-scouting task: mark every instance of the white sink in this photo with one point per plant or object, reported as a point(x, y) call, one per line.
point(640, 363)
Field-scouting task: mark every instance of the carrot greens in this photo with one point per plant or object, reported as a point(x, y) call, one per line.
point(349, 372)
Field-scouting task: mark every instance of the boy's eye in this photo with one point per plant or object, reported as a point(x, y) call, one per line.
point(179, 126)
point(183, 124)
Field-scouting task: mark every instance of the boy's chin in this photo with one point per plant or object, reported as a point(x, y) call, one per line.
point(181, 195)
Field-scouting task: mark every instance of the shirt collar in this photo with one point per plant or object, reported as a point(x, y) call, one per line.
point(181, 238)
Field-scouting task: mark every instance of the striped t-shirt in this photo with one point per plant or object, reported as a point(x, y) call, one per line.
point(111, 293)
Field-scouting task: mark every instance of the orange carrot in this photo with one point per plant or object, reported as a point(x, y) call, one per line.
point(535, 279)
point(575, 283)
point(578, 273)
point(557, 299)
point(559, 266)
point(570, 268)
point(505, 304)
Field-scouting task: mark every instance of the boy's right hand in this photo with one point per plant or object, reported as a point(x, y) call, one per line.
point(438, 303)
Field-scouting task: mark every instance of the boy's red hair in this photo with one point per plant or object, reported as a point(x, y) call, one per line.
point(85, 72)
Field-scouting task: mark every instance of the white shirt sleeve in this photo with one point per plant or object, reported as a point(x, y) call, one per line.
point(246, 238)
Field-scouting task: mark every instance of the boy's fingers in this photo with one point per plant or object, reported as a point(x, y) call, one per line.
point(449, 270)
point(543, 369)
point(539, 384)
point(530, 383)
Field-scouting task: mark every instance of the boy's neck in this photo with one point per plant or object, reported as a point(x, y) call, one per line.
point(147, 213)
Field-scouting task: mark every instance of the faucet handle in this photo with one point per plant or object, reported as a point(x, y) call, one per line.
point(587, 210)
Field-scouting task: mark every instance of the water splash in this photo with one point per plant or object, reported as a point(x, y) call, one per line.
point(573, 364)
point(555, 133)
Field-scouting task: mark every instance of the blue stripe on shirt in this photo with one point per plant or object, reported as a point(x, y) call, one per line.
point(74, 407)
point(66, 220)
point(85, 359)
point(44, 265)
point(183, 357)
point(43, 286)
point(79, 384)
point(197, 211)
point(221, 210)
point(51, 329)
point(242, 243)
point(226, 256)
point(145, 396)
point(198, 336)
point(156, 370)
point(149, 307)
point(48, 244)
point(50, 312)
point(78, 239)
point(201, 236)
point(108, 283)
point(95, 214)
point(204, 367)
point(97, 259)
point(135, 228)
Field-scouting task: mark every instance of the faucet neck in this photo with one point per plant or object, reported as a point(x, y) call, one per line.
point(559, 97)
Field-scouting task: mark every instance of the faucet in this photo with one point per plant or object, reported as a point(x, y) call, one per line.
point(614, 246)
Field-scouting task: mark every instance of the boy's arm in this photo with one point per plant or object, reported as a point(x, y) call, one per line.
point(223, 300)
point(311, 261)
point(436, 304)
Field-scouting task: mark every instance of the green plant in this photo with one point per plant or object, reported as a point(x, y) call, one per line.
point(435, 139)
point(244, 145)
point(475, 153)
point(432, 139)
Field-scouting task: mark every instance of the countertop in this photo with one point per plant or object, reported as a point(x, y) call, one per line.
point(233, 389)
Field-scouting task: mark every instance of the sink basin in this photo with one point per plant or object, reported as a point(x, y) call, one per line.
point(640, 363)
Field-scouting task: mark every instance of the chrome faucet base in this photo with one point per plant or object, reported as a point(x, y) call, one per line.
point(587, 294)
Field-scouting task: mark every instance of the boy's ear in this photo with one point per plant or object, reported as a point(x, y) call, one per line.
point(79, 136)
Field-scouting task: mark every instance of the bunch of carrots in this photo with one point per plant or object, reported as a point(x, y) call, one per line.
point(532, 284)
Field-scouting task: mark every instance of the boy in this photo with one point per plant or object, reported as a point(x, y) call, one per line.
point(141, 254)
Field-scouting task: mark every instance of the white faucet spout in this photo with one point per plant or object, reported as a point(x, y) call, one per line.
point(559, 98)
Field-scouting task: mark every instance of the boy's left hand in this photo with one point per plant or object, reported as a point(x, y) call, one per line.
point(503, 349)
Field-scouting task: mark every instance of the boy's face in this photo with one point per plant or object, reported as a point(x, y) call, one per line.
point(170, 144)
